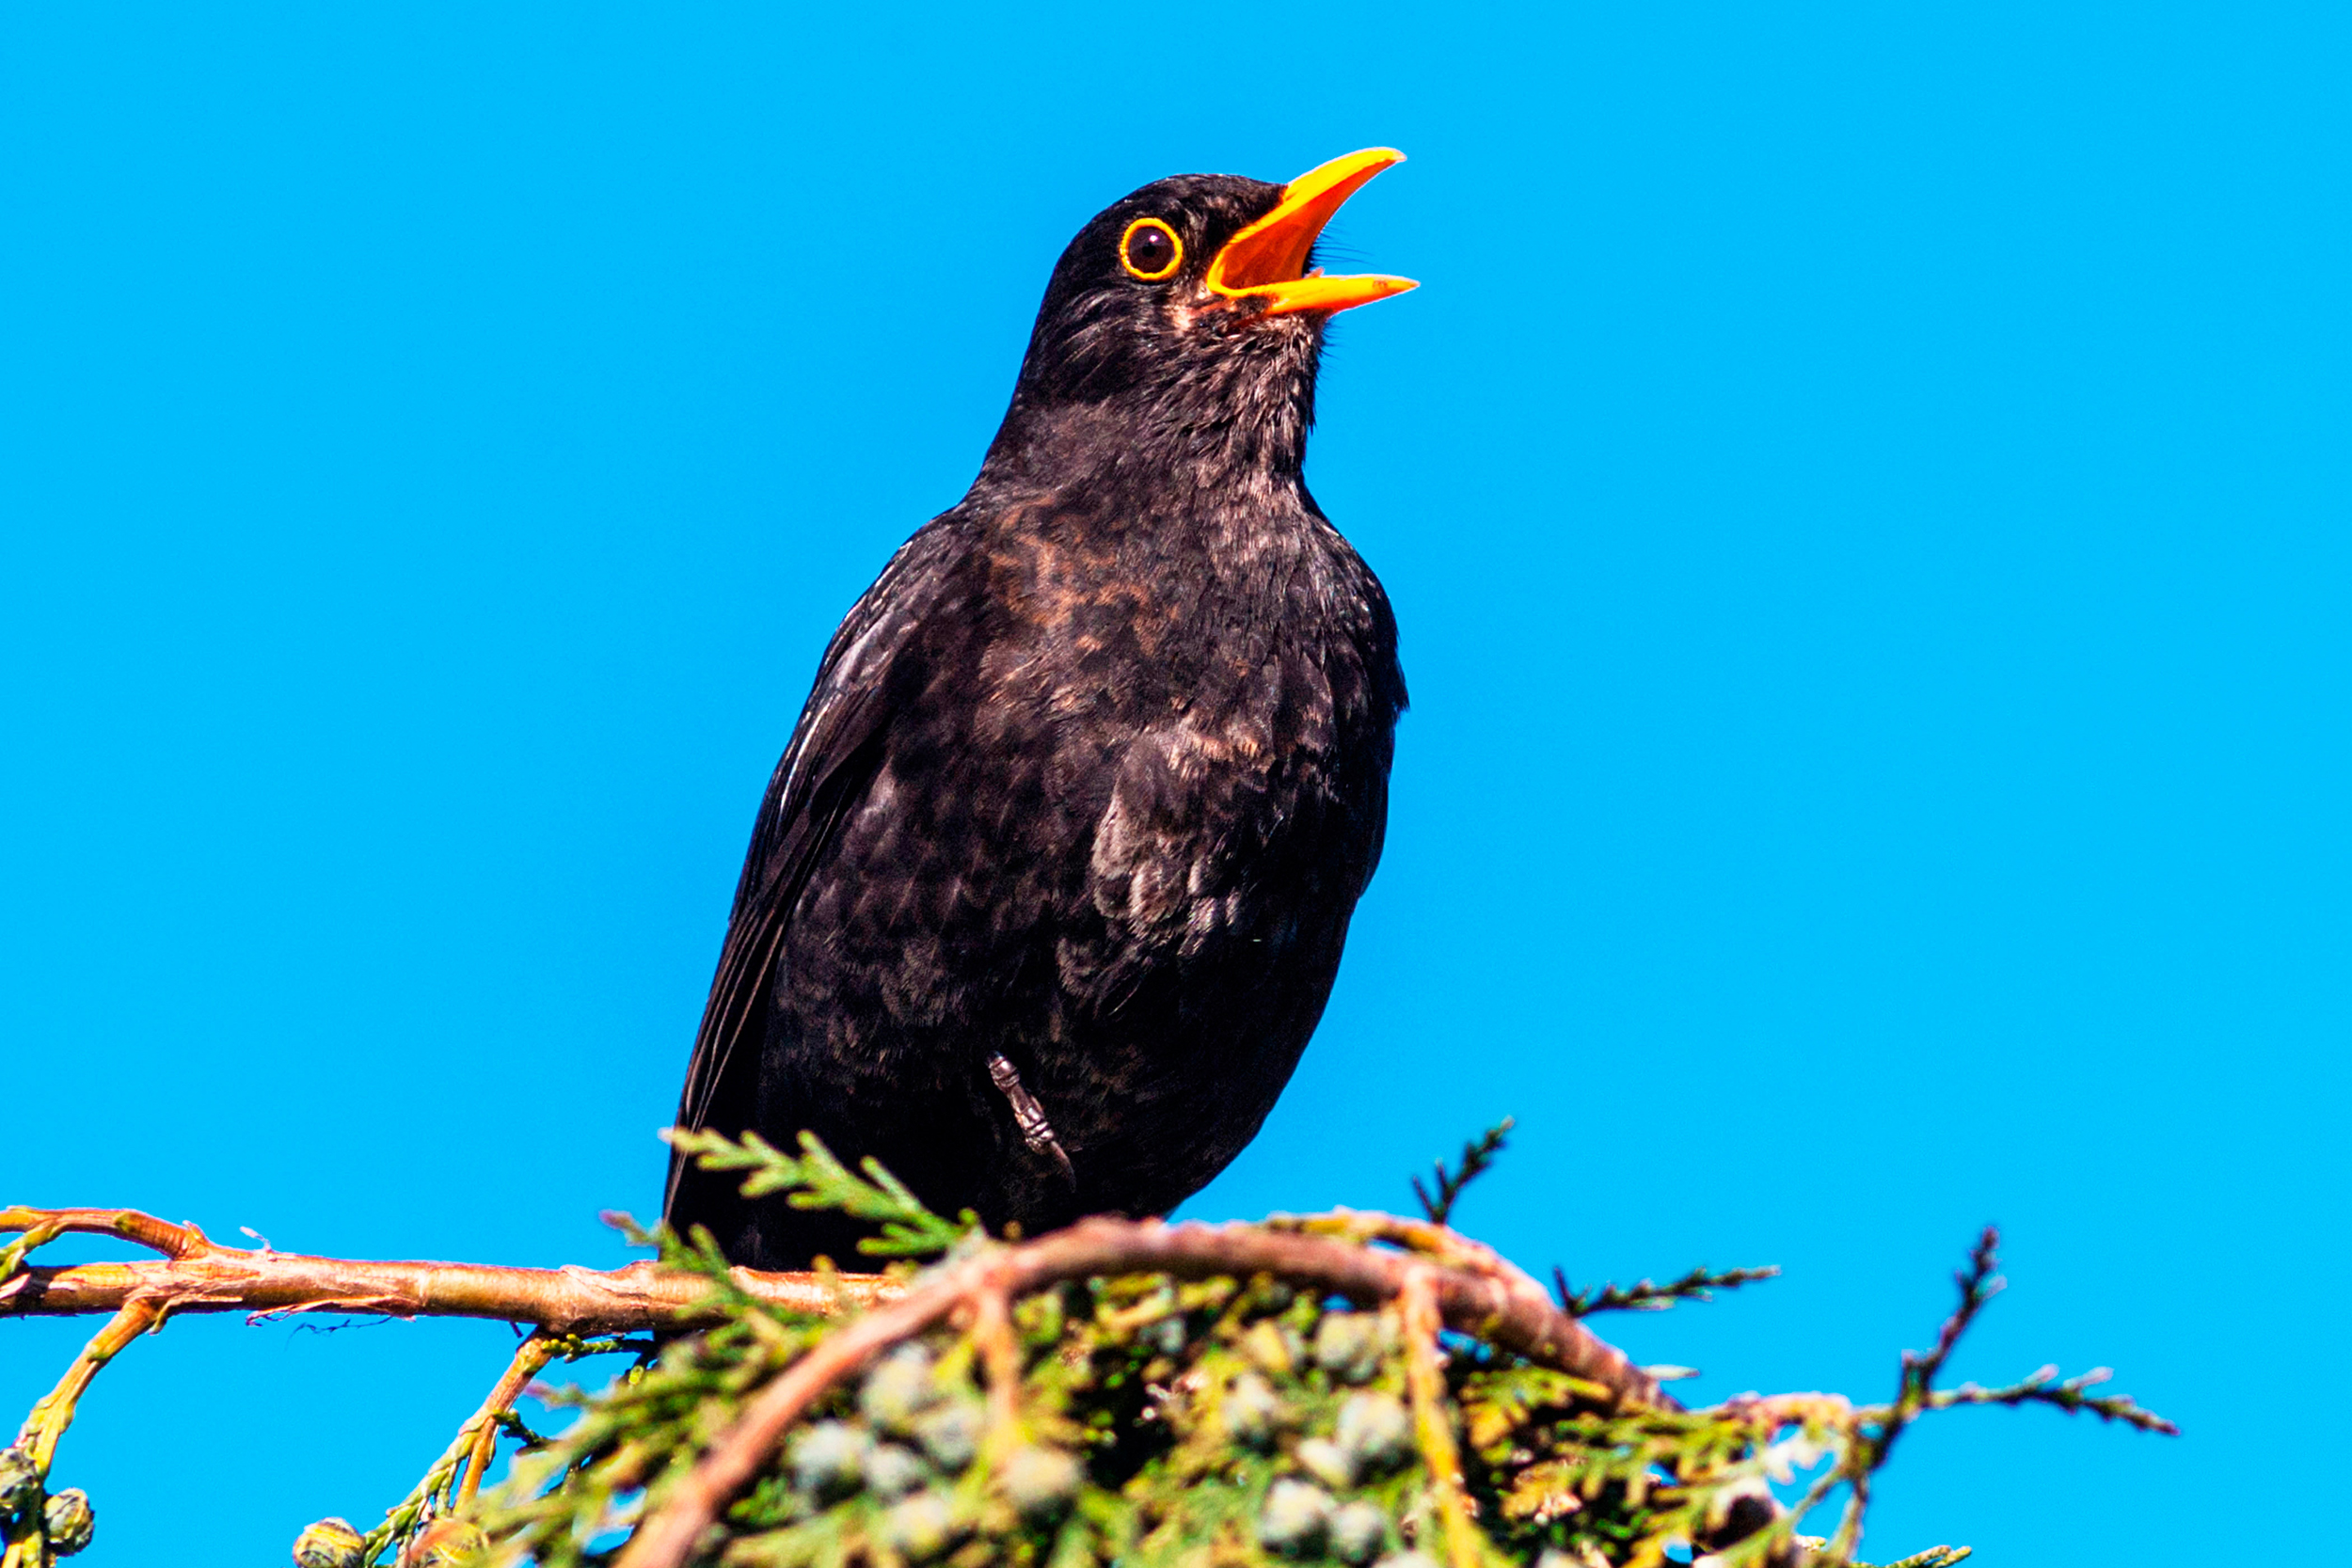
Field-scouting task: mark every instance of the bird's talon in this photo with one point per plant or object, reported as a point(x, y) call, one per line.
point(1029, 1116)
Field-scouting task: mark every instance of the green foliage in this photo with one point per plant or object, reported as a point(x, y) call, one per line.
point(1700, 1284)
point(1062, 1404)
point(1478, 1157)
point(440, 1493)
point(818, 1179)
point(1232, 1422)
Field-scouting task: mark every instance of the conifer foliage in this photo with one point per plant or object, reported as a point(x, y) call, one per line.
point(1341, 1390)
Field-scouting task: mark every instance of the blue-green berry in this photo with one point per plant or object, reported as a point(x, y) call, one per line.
point(1348, 1345)
point(1359, 1530)
point(951, 1433)
point(329, 1543)
point(829, 1460)
point(1250, 1411)
point(899, 1389)
point(892, 1471)
point(1294, 1517)
point(1039, 1482)
point(1376, 1430)
point(67, 1520)
point(918, 1526)
point(1328, 1463)
point(20, 1483)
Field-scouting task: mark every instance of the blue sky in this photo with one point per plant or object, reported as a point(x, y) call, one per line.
point(1864, 492)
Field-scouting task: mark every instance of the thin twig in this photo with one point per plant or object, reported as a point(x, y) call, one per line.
point(470, 1452)
point(1700, 1284)
point(1433, 1429)
point(1935, 1557)
point(478, 1462)
point(1477, 1155)
point(1874, 1440)
point(2044, 1387)
point(1000, 1364)
point(173, 1241)
point(54, 1412)
point(27, 1541)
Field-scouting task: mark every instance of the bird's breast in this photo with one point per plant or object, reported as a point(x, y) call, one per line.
point(1183, 685)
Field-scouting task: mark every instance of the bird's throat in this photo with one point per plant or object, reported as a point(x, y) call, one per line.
point(1235, 428)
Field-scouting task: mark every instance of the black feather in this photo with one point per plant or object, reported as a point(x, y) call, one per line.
point(1091, 778)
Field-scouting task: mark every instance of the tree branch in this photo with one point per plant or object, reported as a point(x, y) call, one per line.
point(1463, 1287)
point(1498, 1303)
point(201, 1275)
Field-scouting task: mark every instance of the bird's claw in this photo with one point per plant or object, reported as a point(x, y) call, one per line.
point(1029, 1116)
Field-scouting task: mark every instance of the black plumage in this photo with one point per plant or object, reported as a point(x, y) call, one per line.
point(1091, 777)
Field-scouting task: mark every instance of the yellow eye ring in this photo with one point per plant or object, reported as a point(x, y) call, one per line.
point(1159, 254)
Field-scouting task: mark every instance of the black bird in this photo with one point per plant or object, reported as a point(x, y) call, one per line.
point(1049, 889)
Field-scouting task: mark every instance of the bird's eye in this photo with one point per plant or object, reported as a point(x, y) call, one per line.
point(1150, 251)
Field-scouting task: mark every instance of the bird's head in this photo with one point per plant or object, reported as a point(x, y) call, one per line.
point(1183, 326)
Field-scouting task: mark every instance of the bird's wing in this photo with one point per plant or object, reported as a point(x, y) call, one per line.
point(834, 751)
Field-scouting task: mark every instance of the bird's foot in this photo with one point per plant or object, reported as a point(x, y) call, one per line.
point(1029, 1116)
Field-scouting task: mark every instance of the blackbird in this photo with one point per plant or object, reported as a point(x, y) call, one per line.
point(1049, 889)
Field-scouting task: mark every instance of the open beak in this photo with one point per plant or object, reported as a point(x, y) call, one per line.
point(1267, 261)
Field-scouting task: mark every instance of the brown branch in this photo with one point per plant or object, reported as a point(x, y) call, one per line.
point(667, 1538)
point(1520, 1319)
point(39, 1224)
point(1503, 1305)
point(1447, 1246)
point(201, 1275)
point(1000, 1364)
point(1467, 1287)
point(485, 1449)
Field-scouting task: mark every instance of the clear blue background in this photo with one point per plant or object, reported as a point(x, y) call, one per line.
point(1866, 494)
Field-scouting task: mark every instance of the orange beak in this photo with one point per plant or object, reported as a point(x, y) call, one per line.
point(1267, 261)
